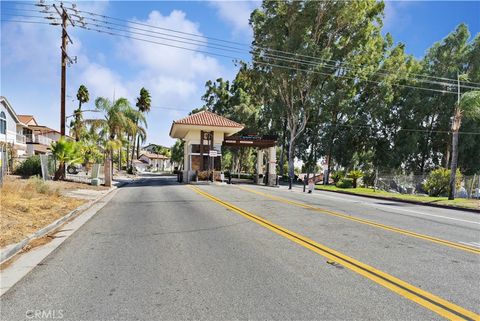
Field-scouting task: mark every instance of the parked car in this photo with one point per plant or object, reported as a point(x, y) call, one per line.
point(74, 169)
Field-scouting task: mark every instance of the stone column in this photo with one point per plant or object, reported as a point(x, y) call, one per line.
point(272, 166)
point(107, 171)
point(258, 180)
point(186, 162)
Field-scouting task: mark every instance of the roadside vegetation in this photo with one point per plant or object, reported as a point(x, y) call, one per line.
point(30, 204)
point(340, 91)
point(459, 202)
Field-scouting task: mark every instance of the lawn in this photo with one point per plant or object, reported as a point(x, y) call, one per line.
point(459, 202)
point(27, 205)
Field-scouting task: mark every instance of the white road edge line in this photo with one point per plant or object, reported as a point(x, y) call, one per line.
point(475, 244)
point(400, 209)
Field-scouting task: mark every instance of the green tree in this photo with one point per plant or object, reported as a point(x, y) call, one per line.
point(337, 30)
point(355, 175)
point(65, 152)
point(178, 152)
point(118, 118)
point(438, 181)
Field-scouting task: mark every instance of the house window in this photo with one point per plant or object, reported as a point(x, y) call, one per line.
point(3, 123)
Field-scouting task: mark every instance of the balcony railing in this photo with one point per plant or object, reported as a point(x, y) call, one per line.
point(38, 139)
point(20, 139)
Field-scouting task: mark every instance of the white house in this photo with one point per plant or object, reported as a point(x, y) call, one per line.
point(156, 162)
point(11, 128)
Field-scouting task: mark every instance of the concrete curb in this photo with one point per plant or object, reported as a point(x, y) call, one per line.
point(405, 201)
point(11, 250)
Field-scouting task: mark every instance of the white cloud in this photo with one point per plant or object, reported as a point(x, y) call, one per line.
point(171, 61)
point(395, 15)
point(175, 77)
point(237, 14)
point(103, 82)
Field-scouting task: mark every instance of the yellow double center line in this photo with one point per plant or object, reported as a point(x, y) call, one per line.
point(432, 302)
point(367, 222)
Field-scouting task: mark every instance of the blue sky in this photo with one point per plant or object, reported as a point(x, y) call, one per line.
point(30, 54)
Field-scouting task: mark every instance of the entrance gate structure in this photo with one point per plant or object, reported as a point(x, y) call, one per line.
point(262, 143)
point(204, 133)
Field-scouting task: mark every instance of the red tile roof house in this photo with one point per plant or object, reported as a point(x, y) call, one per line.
point(38, 138)
point(202, 132)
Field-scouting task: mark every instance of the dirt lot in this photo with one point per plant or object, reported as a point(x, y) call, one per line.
point(27, 205)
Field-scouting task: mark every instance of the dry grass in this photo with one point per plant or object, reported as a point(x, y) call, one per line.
point(27, 205)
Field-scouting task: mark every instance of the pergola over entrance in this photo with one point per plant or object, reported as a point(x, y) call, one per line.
point(261, 142)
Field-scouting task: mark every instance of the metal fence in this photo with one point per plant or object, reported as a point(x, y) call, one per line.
point(85, 175)
point(413, 184)
point(3, 164)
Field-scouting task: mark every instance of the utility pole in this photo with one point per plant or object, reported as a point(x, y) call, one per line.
point(65, 59)
point(64, 72)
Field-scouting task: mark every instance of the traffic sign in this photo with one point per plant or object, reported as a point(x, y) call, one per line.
point(212, 153)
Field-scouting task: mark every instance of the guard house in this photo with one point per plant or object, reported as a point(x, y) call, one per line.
point(202, 132)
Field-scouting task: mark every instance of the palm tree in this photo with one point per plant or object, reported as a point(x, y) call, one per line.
point(77, 125)
point(137, 125)
point(118, 119)
point(468, 106)
point(65, 152)
point(143, 104)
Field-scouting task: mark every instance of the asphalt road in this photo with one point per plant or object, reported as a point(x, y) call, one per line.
point(163, 251)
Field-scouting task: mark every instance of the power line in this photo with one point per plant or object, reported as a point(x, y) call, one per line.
point(250, 46)
point(235, 49)
point(160, 33)
point(258, 62)
point(33, 22)
point(23, 16)
point(163, 38)
point(404, 129)
point(285, 59)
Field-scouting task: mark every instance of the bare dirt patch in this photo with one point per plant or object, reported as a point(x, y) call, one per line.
point(27, 205)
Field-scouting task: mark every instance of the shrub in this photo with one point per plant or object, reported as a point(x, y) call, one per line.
point(336, 177)
point(203, 175)
point(355, 175)
point(344, 183)
point(39, 185)
point(437, 182)
point(30, 167)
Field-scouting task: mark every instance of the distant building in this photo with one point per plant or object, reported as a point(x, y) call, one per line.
point(156, 162)
point(38, 138)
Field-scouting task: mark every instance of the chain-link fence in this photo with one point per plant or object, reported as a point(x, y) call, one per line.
point(85, 174)
point(3, 164)
point(414, 184)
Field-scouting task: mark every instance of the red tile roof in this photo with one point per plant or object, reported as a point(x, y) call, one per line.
point(207, 118)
